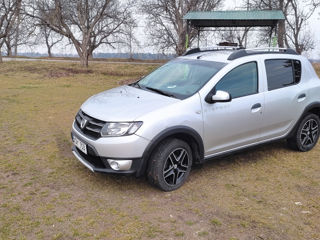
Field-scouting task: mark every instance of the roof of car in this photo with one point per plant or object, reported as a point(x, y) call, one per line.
point(218, 56)
point(227, 54)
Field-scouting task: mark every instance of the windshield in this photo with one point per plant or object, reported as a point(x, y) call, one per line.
point(180, 78)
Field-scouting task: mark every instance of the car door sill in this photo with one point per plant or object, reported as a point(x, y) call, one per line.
point(227, 152)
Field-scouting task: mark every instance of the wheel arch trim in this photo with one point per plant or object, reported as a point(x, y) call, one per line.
point(307, 109)
point(167, 133)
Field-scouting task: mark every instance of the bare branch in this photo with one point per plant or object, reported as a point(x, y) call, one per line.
point(166, 28)
point(86, 23)
point(293, 31)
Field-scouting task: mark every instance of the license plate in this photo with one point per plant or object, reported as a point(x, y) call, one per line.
point(80, 145)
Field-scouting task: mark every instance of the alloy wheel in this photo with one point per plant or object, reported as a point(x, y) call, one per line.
point(309, 133)
point(176, 166)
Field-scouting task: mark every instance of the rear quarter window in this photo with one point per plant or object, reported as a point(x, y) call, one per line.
point(282, 72)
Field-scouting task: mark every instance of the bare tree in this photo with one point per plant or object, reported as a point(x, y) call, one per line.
point(166, 26)
point(272, 5)
point(297, 34)
point(234, 35)
point(8, 16)
point(292, 31)
point(130, 39)
point(87, 24)
point(8, 44)
point(50, 38)
point(20, 34)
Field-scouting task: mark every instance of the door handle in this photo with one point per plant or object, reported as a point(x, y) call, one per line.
point(256, 107)
point(302, 97)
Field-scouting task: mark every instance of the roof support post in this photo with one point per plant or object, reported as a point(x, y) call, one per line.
point(273, 41)
point(275, 38)
point(187, 35)
point(270, 37)
point(198, 37)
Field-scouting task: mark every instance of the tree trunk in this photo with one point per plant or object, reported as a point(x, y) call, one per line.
point(84, 58)
point(9, 47)
point(17, 34)
point(181, 48)
point(298, 50)
point(281, 26)
point(130, 45)
point(82, 50)
point(1, 44)
point(90, 55)
point(281, 33)
point(9, 51)
point(297, 46)
point(49, 52)
point(90, 51)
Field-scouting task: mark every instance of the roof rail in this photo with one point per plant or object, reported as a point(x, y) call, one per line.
point(210, 49)
point(256, 51)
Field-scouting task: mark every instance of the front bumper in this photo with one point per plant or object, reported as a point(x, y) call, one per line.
point(123, 147)
point(97, 163)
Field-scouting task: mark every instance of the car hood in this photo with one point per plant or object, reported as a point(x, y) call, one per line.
point(124, 103)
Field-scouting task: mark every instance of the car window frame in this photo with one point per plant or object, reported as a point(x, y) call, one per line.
point(293, 72)
point(258, 79)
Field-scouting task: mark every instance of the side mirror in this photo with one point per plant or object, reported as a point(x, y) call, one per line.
point(218, 96)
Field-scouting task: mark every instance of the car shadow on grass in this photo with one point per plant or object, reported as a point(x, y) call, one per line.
point(241, 157)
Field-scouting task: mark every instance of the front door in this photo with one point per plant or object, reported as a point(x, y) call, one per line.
point(231, 125)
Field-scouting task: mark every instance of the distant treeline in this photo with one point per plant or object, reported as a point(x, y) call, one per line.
point(314, 60)
point(140, 56)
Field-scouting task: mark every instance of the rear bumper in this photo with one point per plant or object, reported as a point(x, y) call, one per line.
point(96, 163)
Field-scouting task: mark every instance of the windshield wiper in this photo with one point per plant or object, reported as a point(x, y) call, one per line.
point(161, 92)
point(135, 84)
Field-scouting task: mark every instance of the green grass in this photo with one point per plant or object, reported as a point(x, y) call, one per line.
point(45, 193)
point(216, 222)
point(203, 233)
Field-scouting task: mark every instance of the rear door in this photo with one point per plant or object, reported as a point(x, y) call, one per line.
point(284, 97)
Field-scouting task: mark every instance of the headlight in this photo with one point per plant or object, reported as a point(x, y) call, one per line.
point(113, 129)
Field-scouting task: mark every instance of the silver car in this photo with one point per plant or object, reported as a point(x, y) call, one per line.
point(207, 103)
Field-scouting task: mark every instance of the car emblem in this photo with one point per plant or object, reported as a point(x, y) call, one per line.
point(83, 123)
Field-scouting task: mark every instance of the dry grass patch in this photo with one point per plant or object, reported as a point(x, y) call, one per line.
point(317, 68)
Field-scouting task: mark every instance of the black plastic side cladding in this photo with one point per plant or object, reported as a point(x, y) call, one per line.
point(309, 108)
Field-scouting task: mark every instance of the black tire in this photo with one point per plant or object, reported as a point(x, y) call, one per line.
point(170, 164)
point(306, 135)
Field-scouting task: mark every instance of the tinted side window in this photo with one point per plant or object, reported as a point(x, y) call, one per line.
point(282, 73)
point(241, 81)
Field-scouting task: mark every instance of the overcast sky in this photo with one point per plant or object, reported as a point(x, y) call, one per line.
point(314, 23)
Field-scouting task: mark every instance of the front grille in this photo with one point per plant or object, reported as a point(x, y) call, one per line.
point(93, 160)
point(93, 126)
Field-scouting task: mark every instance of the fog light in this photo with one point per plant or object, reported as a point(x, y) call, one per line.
point(120, 164)
point(114, 165)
